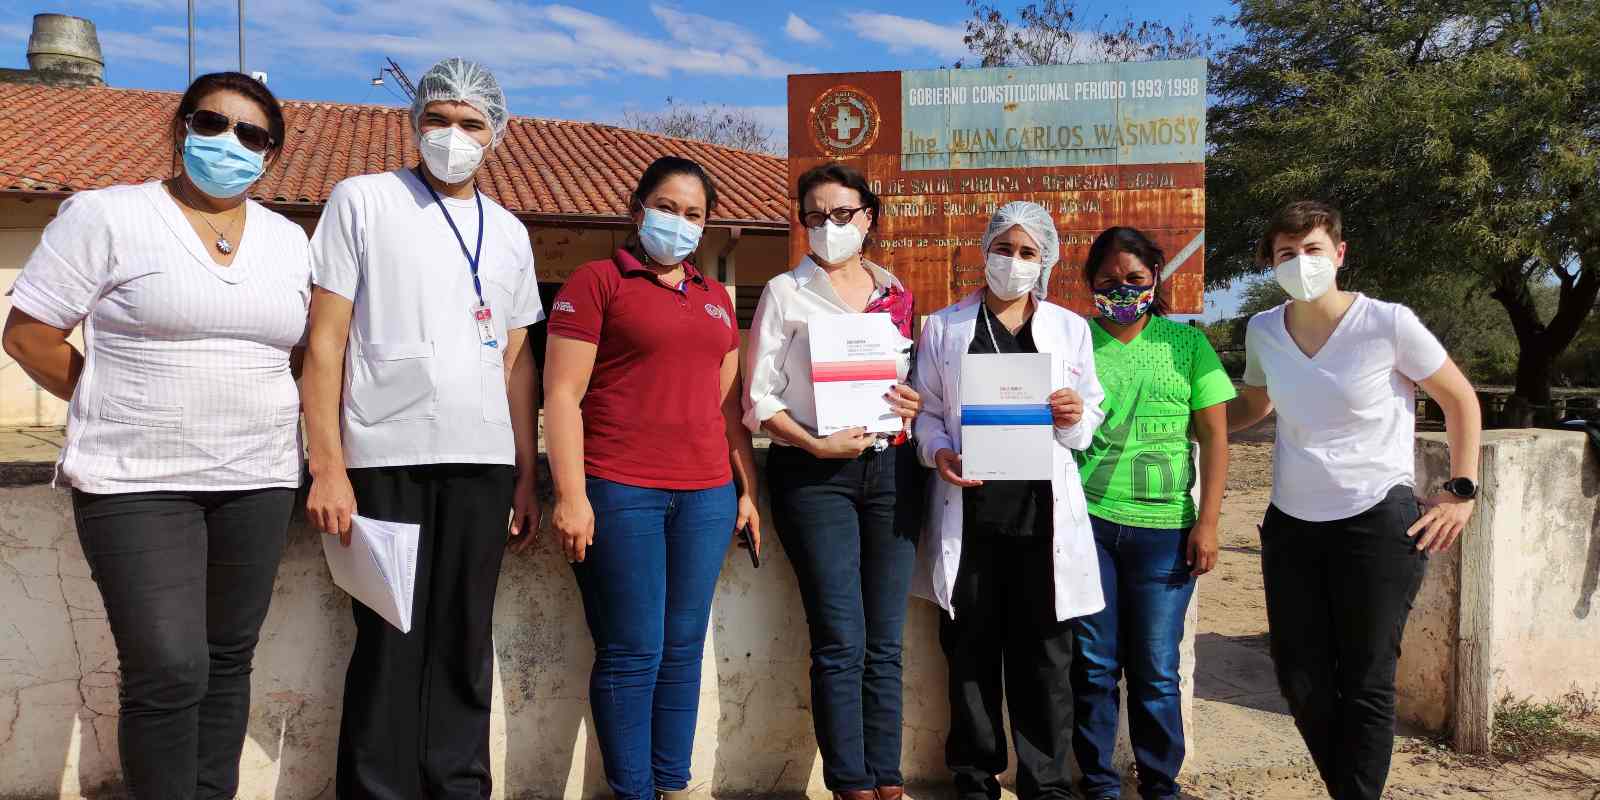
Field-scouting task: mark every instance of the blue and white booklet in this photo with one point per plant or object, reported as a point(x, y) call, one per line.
point(1006, 429)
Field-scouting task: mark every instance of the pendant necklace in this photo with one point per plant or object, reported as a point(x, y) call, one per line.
point(222, 244)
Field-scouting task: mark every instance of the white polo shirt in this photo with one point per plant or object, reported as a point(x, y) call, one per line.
point(186, 383)
point(1347, 417)
point(419, 385)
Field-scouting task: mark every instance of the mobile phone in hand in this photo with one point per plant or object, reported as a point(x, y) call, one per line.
point(748, 542)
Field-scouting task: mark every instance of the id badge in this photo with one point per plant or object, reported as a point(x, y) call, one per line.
point(484, 318)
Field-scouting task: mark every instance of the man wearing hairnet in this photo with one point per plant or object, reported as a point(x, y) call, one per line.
point(420, 409)
point(1010, 562)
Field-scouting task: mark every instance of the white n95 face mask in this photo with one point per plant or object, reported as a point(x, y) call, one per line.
point(451, 155)
point(833, 242)
point(1306, 277)
point(1009, 277)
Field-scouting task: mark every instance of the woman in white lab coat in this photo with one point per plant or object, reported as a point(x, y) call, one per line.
point(1009, 562)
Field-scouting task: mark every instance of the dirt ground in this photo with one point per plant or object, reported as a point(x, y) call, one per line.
point(1246, 744)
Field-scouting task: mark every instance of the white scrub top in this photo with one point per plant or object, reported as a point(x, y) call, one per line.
point(420, 387)
point(186, 383)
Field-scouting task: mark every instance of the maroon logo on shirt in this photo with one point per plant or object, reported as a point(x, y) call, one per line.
point(718, 312)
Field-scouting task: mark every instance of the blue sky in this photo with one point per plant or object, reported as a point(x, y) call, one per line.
point(585, 61)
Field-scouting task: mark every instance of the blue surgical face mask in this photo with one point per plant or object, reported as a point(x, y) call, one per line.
point(219, 165)
point(668, 238)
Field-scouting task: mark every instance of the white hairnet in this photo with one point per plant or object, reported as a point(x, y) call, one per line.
point(1036, 222)
point(462, 81)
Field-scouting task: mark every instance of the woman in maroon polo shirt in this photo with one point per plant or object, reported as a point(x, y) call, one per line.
point(653, 471)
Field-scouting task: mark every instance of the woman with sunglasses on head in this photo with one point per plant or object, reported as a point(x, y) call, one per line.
point(1165, 392)
point(653, 471)
point(836, 497)
point(182, 445)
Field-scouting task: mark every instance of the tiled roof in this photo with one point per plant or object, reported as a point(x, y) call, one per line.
point(55, 139)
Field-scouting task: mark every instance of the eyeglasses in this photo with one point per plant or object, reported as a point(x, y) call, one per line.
point(840, 216)
point(211, 123)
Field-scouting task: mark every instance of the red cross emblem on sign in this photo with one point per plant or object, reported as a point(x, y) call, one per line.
point(844, 120)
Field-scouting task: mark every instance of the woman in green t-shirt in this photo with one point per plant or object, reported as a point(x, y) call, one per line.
point(1163, 384)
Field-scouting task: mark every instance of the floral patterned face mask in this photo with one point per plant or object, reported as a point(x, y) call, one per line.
point(1124, 304)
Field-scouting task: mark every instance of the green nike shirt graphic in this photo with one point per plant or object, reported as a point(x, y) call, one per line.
point(1139, 469)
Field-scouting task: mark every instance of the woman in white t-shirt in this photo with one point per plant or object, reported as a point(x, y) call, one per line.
point(182, 447)
point(1344, 544)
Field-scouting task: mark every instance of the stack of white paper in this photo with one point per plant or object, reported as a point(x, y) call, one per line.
point(1006, 430)
point(855, 360)
point(379, 568)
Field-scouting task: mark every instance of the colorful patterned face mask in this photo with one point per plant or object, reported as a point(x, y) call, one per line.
point(1124, 304)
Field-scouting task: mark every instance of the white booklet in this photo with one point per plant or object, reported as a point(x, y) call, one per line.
point(855, 360)
point(379, 568)
point(1006, 430)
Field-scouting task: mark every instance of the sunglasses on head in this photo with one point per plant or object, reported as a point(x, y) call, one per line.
point(211, 123)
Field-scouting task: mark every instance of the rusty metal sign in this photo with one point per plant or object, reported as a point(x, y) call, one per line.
point(1097, 144)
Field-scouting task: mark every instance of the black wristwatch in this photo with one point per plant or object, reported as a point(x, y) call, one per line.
point(1463, 488)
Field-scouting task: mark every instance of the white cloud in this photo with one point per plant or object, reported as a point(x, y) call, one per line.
point(800, 30)
point(13, 33)
point(528, 45)
point(150, 5)
point(155, 46)
point(742, 50)
point(776, 118)
point(907, 35)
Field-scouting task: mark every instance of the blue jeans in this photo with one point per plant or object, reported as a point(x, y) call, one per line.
point(836, 519)
point(647, 583)
point(1147, 587)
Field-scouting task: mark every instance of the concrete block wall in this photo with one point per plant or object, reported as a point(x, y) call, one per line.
point(1511, 611)
point(58, 676)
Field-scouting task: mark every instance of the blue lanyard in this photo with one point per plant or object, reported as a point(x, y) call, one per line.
point(472, 257)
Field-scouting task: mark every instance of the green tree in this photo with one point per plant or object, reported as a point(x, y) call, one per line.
point(1460, 137)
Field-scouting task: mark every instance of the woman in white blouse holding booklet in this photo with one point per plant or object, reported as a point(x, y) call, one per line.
point(841, 498)
point(1009, 561)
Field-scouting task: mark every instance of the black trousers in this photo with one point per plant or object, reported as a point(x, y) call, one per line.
point(1005, 640)
point(1338, 596)
point(186, 578)
point(416, 705)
